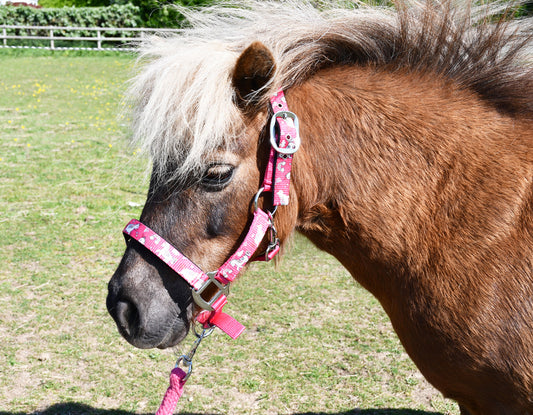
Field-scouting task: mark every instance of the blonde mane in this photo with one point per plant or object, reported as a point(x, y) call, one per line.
point(183, 102)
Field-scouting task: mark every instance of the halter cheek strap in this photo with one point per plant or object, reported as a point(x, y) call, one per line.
point(284, 141)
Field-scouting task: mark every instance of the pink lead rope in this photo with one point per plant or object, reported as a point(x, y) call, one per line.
point(285, 141)
point(173, 394)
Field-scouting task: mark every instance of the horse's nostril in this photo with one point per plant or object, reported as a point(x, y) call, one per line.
point(127, 317)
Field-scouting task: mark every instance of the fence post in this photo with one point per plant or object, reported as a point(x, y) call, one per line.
point(52, 44)
point(99, 41)
point(4, 34)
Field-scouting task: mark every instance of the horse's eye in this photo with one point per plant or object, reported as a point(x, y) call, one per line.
point(217, 176)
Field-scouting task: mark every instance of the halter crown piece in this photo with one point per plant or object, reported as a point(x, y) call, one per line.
point(285, 141)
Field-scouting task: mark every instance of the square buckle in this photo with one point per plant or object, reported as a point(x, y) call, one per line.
point(221, 290)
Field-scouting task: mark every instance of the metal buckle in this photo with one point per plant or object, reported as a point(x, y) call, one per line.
point(272, 250)
point(294, 142)
point(208, 304)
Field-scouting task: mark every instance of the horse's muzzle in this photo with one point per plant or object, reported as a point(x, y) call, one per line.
point(148, 312)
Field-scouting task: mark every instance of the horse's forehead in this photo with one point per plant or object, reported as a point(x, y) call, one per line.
point(234, 140)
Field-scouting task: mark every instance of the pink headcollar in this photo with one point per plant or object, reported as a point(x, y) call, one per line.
point(285, 141)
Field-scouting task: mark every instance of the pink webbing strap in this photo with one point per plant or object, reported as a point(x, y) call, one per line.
point(258, 228)
point(166, 253)
point(177, 381)
point(187, 269)
point(278, 171)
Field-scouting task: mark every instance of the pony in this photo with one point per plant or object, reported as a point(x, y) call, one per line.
point(415, 171)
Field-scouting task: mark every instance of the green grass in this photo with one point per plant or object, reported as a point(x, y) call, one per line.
point(316, 342)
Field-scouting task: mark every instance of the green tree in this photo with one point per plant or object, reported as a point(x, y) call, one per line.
point(156, 13)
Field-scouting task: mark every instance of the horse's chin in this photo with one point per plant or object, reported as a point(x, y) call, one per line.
point(172, 339)
point(161, 340)
point(150, 336)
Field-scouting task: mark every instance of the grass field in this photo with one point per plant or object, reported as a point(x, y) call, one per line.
point(315, 342)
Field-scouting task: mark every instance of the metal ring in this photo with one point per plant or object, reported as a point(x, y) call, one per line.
point(205, 331)
point(188, 364)
point(256, 201)
point(256, 198)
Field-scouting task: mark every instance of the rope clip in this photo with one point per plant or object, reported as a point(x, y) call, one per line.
point(186, 359)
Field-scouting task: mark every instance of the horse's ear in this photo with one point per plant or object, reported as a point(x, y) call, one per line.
point(254, 68)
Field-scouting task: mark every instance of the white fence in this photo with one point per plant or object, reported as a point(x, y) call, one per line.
point(75, 38)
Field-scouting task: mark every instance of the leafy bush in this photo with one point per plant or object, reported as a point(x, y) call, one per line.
point(126, 15)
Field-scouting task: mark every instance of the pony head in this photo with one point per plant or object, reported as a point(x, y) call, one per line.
point(205, 132)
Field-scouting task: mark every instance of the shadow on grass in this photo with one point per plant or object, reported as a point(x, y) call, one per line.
point(81, 409)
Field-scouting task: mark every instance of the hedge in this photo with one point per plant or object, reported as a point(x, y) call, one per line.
point(126, 15)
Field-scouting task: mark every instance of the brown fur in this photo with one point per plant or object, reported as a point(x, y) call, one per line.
point(436, 222)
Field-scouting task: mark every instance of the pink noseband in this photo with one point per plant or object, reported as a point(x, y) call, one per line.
point(285, 141)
